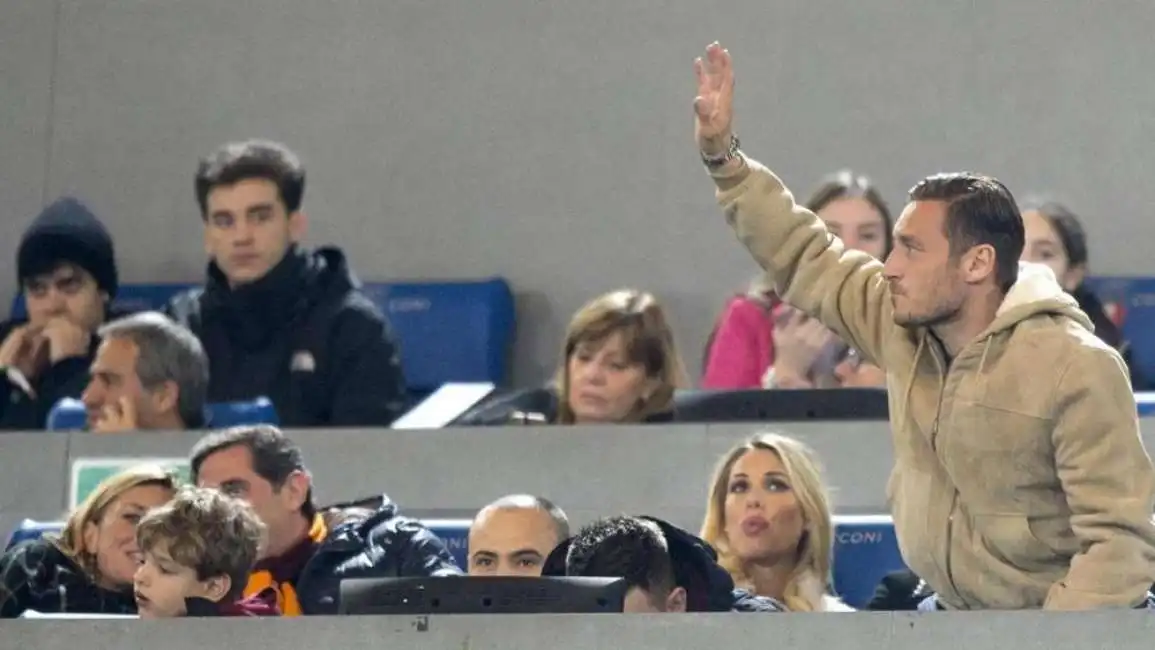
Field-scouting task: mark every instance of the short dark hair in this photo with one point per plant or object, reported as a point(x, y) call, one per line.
point(167, 351)
point(275, 456)
point(623, 547)
point(238, 161)
point(517, 501)
point(208, 532)
point(980, 210)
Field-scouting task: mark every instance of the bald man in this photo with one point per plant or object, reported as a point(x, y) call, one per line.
point(514, 535)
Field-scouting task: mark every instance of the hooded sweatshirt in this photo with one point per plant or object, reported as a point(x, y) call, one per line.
point(1020, 479)
point(709, 588)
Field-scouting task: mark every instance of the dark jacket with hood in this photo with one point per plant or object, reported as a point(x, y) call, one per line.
point(369, 539)
point(531, 406)
point(709, 588)
point(38, 576)
point(304, 336)
point(64, 232)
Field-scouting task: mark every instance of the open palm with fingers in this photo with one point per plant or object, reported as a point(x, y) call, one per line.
point(713, 107)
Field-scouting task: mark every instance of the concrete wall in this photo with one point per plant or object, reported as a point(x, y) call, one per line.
point(861, 631)
point(590, 471)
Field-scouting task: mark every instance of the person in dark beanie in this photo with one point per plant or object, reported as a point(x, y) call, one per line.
point(277, 320)
point(66, 267)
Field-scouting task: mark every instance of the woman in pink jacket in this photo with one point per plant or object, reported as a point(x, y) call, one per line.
point(761, 342)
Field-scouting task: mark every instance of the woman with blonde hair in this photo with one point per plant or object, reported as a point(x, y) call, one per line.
point(89, 567)
point(619, 364)
point(768, 516)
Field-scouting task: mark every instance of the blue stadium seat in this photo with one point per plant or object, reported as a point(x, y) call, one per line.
point(231, 414)
point(449, 331)
point(455, 534)
point(30, 529)
point(1131, 300)
point(69, 415)
point(865, 550)
point(1146, 403)
point(129, 297)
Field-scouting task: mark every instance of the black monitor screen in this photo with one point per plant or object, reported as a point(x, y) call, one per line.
point(481, 595)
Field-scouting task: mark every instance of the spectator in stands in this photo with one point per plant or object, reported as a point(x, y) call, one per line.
point(66, 267)
point(306, 557)
point(619, 364)
point(1033, 488)
point(514, 535)
point(665, 568)
point(149, 373)
point(759, 341)
point(1055, 237)
point(275, 319)
point(89, 568)
point(768, 516)
point(198, 550)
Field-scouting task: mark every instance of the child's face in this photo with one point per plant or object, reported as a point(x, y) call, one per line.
point(161, 585)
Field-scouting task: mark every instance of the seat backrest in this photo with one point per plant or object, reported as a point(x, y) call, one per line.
point(449, 331)
point(68, 414)
point(455, 534)
point(231, 414)
point(865, 550)
point(30, 529)
point(129, 297)
point(1130, 303)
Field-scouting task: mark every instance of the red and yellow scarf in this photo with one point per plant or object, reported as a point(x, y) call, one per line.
point(280, 573)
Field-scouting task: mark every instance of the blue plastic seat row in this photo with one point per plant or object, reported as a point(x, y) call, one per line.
point(69, 414)
point(448, 331)
point(865, 549)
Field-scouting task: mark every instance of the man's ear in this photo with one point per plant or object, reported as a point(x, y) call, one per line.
point(296, 488)
point(298, 225)
point(676, 601)
point(164, 398)
point(979, 263)
point(217, 587)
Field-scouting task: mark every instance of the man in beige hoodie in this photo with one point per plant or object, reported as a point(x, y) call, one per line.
point(1020, 480)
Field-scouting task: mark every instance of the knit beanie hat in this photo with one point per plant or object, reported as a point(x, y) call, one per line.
point(67, 232)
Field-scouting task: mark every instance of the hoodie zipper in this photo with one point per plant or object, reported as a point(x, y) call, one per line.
point(944, 376)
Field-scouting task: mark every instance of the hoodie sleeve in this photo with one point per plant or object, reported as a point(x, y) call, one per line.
point(1109, 483)
point(811, 268)
point(368, 388)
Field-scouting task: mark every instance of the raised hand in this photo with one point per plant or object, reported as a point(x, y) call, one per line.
point(713, 106)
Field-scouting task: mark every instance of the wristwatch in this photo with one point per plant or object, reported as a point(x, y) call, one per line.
point(714, 162)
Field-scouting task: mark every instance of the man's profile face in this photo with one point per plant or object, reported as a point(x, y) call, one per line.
point(231, 471)
point(112, 378)
point(511, 542)
point(926, 287)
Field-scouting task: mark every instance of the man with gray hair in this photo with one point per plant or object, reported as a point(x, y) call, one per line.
point(148, 373)
point(513, 535)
